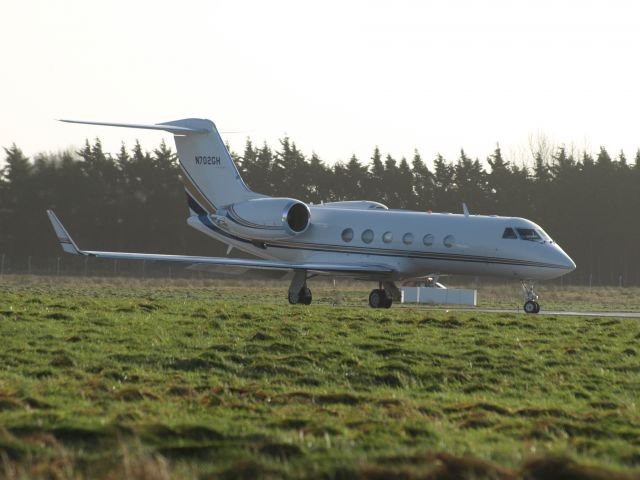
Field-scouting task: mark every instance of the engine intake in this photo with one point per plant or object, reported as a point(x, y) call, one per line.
point(297, 217)
point(265, 218)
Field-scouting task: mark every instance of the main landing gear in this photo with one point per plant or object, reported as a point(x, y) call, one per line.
point(303, 296)
point(384, 296)
point(531, 304)
point(298, 290)
point(381, 297)
point(378, 298)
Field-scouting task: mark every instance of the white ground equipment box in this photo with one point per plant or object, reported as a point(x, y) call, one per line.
point(437, 293)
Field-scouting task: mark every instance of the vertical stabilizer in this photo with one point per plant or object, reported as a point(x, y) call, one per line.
point(210, 177)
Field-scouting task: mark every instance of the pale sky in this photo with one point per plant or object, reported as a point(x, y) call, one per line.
point(338, 77)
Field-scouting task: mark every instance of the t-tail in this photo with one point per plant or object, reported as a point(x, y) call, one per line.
point(210, 177)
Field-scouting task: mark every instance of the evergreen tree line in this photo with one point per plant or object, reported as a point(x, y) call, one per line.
point(134, 200)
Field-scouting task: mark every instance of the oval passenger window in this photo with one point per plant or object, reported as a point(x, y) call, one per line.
point(449, 241)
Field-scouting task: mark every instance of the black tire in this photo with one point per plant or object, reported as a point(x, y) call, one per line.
point(388, 301)
point(293, 298)
point(305, 296)
point(376, 298)
point(530, 307)
point(537, 307)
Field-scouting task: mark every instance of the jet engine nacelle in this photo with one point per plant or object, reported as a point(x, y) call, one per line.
point(265, 218)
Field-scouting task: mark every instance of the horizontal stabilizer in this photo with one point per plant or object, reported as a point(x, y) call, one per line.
point(180, 127)
point(69, 246)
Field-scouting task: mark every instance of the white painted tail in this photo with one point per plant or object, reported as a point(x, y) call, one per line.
point(210, 177)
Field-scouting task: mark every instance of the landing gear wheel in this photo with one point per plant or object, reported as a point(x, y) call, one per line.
point(303, 296)
point(388, 302)
point(531, 299)
point(293, 298)
point(378, 299)
point(531, 307)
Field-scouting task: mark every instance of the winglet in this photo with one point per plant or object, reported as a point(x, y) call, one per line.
point(465, 210)
point(67, 244)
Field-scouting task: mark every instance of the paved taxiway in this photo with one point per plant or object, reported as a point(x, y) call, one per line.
point(521, 312)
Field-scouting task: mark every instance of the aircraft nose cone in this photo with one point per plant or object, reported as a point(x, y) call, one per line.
point(563, 260)
point(569, 263)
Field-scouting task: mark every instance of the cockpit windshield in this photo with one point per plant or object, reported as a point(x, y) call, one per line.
point(544, 235)
point(529, 234)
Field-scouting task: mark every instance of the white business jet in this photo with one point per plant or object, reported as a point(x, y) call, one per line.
point(360, 239)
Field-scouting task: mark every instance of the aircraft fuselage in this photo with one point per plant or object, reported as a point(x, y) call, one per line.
point(412, 243)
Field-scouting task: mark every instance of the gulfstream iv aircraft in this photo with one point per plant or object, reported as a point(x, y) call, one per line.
point(359, 239)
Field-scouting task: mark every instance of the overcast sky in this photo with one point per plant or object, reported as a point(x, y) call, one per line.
point(338, 77)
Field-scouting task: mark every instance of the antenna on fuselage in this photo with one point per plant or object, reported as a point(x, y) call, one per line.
point(465, 210)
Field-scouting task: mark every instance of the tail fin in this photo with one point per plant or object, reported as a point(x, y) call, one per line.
point(210, 177)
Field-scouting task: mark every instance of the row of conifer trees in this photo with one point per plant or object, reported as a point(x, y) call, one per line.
point(133, 200)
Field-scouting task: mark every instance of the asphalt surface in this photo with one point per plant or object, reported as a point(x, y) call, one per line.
point(542, 312)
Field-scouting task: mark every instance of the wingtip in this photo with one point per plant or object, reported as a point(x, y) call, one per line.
point(66, 242)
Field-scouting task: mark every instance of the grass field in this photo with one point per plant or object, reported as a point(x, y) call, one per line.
point(204, 379)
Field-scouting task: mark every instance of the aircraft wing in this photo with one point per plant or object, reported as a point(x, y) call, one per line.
point(357, 269)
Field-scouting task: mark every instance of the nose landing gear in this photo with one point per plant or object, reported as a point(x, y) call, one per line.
point(531, 304)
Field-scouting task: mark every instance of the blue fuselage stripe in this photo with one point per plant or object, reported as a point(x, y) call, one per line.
point(195, 206)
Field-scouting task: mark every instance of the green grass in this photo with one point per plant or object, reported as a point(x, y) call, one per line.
point(136, 379)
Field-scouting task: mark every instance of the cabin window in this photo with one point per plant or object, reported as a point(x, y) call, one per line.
point(428, 240)
point(449, 241)
point(529, 234)
point(387, 237)
point(367, 236)
point(347, 235)
point(509, 233)
point(407, 239)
